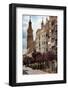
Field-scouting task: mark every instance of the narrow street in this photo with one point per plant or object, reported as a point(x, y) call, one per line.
point(27, 70)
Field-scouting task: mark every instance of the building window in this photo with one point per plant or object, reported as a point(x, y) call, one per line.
point(55, 27)
point(52, 40)
point(53, 47)
point(52, 31)
point(39, 44)
point(46, 35)
point(52, 37)
point(43, 43)
point(46, 42)
point(46, 49)
point(53, 22)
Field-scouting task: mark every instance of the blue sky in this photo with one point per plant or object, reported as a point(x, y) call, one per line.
point(36, 24)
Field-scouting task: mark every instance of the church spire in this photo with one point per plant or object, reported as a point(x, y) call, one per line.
point(29, 19)
point(42, 24)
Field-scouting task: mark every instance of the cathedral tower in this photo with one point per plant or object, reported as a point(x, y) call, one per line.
point(29, 35)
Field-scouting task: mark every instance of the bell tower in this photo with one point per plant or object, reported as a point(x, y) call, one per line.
point(29, 35)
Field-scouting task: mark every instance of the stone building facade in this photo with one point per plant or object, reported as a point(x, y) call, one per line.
point(52, 40)
point(46, 40)
point(46, 37)
point(41, 41)
point(41, 38)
